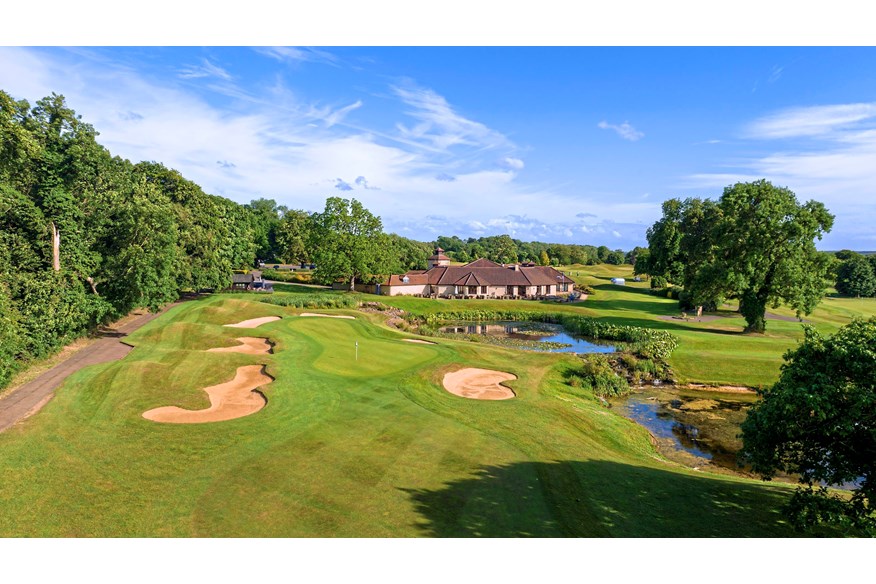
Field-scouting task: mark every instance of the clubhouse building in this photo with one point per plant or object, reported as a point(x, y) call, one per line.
point(478, 279)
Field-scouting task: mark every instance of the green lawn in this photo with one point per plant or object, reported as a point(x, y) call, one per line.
point(370, 447)
point(714, 352)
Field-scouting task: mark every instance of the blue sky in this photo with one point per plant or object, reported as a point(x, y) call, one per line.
point(575, 145)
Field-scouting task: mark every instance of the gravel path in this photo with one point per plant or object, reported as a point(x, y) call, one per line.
point(30, 397)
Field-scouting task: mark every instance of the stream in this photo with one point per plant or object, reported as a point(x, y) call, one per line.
point(692, 427)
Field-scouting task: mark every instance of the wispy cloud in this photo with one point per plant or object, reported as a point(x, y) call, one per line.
point(205, 69)
point(334, 116)
point(775, 74)
point(447, 174)
point(513, 163)
point(625, 130)
point(819, 120)
point(440, 126)
point(823, 152)
point(298, 54)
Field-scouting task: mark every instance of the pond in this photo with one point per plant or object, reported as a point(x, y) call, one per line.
point(552, 336)
point(692, 427)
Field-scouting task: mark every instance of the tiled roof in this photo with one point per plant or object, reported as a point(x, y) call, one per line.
point(413, 279)
point(483, 273)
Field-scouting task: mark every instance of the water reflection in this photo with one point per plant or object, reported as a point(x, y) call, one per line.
point(695, 424)
point(531, 331)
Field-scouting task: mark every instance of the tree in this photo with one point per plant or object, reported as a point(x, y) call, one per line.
point(293, 235)
point(664, 243)
point(819, 422)
point(615, 257)
point(756, 244)
point(502, 249)
point(265, 217)
point(765, 250)
point(544, 260)
point(348, 243)
point(855, 277)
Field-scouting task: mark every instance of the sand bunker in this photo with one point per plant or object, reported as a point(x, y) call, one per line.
point(253, 322)
point(233, 399)
point(327, 315)
point(420, 341)
point(479, 384)
point(249, 346)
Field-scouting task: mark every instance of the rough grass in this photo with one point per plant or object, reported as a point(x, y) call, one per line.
point(367, 447)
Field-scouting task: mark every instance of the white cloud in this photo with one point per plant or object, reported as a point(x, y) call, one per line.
point(810, 121)
point(207, 69)
point(333, 117)
point(440, 126)
point(625, 130)
point(271, 147)
point(513, 163)
point(298, 54)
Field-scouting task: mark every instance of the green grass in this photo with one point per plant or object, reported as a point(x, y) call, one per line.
point(372, 447)
point(715, 352)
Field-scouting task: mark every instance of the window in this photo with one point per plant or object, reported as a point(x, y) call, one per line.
point(521, 290)
point(472, 289)
point(509, 290)
point(483, 289)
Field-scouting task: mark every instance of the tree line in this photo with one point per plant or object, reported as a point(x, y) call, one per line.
point(505, 250)
point(85, 236)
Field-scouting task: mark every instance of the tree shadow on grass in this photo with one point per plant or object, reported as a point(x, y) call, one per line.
point(598, 499)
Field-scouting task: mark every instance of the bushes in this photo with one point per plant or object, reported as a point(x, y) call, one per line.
point(312, 300)
point(659, 282)
point(289, 277)
point(671, 292)
point(597, 375)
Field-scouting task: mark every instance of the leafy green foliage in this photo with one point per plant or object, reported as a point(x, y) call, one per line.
point(757, 244)
point(856, 276)
point(291, 277)
point(819, 421)
point(349, 243)
point(131, 236)
point(597, 375)
point(292, 236)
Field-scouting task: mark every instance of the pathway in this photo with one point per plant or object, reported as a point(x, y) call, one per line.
point(31, 396)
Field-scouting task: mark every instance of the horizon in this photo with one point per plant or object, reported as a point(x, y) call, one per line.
point(537, 143)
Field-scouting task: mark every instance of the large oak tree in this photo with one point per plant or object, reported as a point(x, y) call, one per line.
point(755, 244)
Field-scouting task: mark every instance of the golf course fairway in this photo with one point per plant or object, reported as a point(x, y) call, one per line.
point(358, 438)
